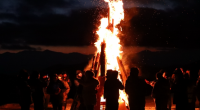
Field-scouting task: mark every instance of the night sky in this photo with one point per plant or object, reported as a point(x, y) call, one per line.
point(69, 25)
point(52, 36)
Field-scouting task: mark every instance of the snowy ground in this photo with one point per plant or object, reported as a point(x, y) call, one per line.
point(149, 105)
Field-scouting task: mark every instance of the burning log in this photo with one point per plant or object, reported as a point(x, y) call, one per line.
point(103, 58)
point(109, 41)
point(123, 76)
point(101, 78)
point(109, 16)
point(96, 63)
point(98, 69)
point(122, 70)
point(110, 24)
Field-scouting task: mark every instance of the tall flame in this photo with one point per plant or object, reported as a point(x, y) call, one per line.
point(109, 34)
point(113, 46)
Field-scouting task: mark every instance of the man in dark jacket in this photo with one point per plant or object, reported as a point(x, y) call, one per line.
point(56, 89)
point(111, 90)
point(38, 93)
point(24, 90)
point(198, 88)
point(161, 91)
point(46, 81)
point(179, 89)
point(90, 85)
point(136, 90)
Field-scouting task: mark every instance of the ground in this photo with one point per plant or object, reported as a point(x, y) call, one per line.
point(149, 105)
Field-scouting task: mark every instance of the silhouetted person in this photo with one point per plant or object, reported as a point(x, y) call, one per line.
point(66, 78)
point(198, 88)
point(38, 93)
point(135, 88)
point(160, 92)
point(111, 90)
point(24, 90)
point(78, 99)
point(65, 93)
point(179, 89)
point(190, 91)
point(56, 89)
point(89, 91)
point(170, 80)
point(46, 81)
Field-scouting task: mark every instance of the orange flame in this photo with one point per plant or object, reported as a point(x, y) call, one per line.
point(108, 32)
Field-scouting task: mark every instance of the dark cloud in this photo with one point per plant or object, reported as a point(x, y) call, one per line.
point(8, 18)
point(77, 29)
point(8, 6)
point(13, 10)
point(40, 7)
point(63, 22)
point(160, 4)
point(17, 47)
point(149, 27)
point(176, 28)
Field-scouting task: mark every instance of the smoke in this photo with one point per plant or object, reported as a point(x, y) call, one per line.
point(130, 53)
point(18, 47)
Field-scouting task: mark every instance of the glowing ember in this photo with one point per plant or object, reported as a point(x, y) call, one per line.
point(108, 32)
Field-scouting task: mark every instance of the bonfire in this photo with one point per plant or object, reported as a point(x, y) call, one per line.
point(109, 53)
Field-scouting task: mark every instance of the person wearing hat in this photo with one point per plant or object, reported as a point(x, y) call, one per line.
point(56, 89)
point(111, 90)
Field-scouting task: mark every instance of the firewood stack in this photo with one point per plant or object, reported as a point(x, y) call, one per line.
point(99, 68)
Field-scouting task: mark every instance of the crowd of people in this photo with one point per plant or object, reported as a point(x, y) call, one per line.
point(180, 85)
point(41, 90)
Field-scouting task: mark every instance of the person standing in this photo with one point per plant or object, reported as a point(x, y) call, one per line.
point(24, 90)
point(190, 91)
point(56, 89)
point(46, 80)
point(161, 92)
point(38, 93)
point(198, 88)
point(89, 90)
point(78, 99)
point(179, 88)
point(136, 90)
point(65, 93)
point(111, 90)
point(66, 78)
